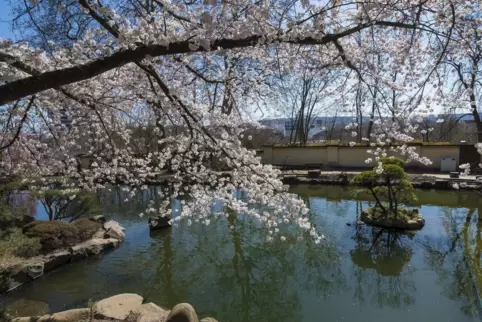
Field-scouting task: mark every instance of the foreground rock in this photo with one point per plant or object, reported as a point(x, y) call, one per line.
point(125, 308)
point(117, 307)
point(412, 224)
point(109, 236)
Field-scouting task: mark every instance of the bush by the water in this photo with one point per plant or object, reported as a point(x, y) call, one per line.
point(86, 228)
point(16, 244)
point(58, 234)
point(53, 234)
point(12, 218)
point(403, 214)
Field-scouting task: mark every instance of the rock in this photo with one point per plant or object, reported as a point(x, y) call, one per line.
point(27, 308)
point(209, 320)
point(23, 319)
point(114, 230)
point(100, 219)
point(92, 247)
point(78, 252)
point(150, 312)
point(56, 259)
point(117, 307)
point(112, 223)
point(99, 234)
point(96, 246)
point(348, 223)
point(159, 222)
point(34, 271)
point(182, 312)
point(71, 315)
point(115, 233)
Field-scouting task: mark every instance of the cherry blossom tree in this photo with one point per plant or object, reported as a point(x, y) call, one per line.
point(192, 72)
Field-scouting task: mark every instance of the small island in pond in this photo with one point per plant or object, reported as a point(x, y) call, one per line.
point(388, 184)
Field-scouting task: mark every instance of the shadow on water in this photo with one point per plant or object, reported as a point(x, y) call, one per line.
point(228, 271)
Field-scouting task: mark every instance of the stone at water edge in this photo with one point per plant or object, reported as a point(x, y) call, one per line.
point(182, 312)
point(209, 320)
point(56, 259)
point(159, 222)
point(78, 252)
point(114, 224)
point(117, 306)
point(115, 233)
point(34, 271)
point(114, 230)
point(72, 315)
point(151, 312)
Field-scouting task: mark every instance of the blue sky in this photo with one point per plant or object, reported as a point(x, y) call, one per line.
point(5, 17)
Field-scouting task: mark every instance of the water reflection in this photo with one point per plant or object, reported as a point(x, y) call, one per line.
point(380, 253)
point(226, 269)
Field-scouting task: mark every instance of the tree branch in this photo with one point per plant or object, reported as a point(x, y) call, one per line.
point(54, 79)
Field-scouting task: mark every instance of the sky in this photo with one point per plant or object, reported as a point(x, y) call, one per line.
point(5, 32)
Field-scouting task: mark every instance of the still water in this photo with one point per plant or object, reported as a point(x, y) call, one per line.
point(358, 274)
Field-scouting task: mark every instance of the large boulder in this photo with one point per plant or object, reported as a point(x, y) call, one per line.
point(117, 307)
point(71, 315)
point(114, 230)
point(113, 224)
point(150, 312)
point(182, 312)
point(159, 222)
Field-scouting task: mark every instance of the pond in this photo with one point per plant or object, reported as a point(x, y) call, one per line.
point(228, 271)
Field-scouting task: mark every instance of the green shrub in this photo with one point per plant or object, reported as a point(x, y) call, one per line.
point(390, 187)
point(16, 244)
point(86, 227)
point(52, 234)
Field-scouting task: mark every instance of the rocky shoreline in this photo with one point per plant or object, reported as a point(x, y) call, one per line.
point(109, 236)
point(122, 308)
point(418, 181)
